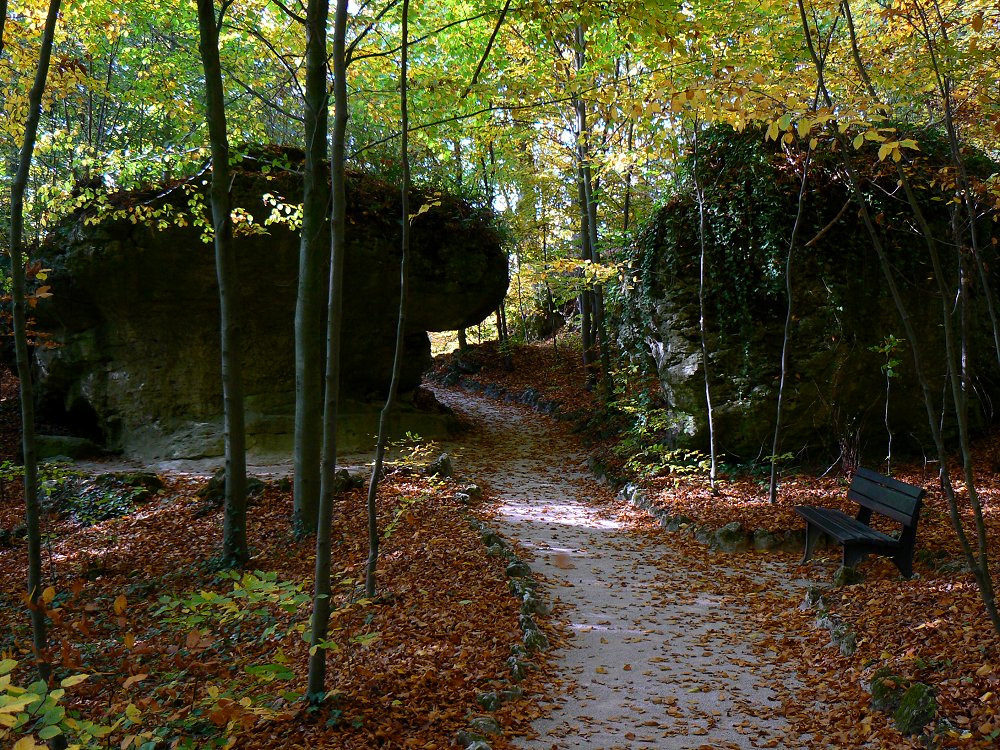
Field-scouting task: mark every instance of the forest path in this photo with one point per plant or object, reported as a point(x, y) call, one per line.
point(660, 652)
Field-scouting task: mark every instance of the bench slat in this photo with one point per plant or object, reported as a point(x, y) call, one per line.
point(881, 497)
point(842, 527)
point(901, 487)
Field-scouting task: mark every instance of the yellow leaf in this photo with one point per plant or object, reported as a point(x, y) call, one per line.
point(72, 680)
point(984, 670)
point(813, 143)
point(884, 150)
point(129, 640)
point(49, 594)
point(601, 670)
point(977, 22)
point(134, 679)
point(804, 127)
point(27, 743)
point(120, 604)
point(858, 140)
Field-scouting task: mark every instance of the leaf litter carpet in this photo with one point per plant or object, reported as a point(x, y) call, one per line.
point(657, 644)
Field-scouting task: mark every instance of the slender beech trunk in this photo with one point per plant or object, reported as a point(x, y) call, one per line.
point(314, 247)
point(18, 189)
point(627, 202)
point(599, 321)
point(944, 84)
point(957, 374)
point(404, 273)
point(234, 533)
point(463, 342)
point(588, 206)
point(978, 563)
point(549, 301)
point(522, 313)
point(3, 22)
point(586, 341)
point(503, 335)
point(318, 14)
point(700, 195)
point(772, 491)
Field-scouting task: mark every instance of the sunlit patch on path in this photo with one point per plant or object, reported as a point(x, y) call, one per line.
point(659, 651)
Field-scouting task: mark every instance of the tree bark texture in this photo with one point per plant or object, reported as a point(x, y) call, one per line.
point(18, 292)
point(314, 252)
point(404, 273)
point(234, 534)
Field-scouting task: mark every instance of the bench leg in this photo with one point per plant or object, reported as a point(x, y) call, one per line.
point(904, 561)
point(812, 534)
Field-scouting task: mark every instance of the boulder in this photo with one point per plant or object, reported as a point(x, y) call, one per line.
point(134, 313)
point(917, 708)
point(843, 311)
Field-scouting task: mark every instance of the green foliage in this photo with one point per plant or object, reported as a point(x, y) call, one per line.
point(890, 344)
point(89, 500)
point(411, 450)
point(36, 711)
point(647, 441)
point(246, 611)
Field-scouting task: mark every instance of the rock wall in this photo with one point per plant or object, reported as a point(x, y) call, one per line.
point(134, 313)
point(836, 388)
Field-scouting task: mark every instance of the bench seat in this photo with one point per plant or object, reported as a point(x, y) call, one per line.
point(874, 493)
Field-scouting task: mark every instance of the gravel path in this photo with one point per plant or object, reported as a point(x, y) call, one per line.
point(659, 650)
point(659, 654)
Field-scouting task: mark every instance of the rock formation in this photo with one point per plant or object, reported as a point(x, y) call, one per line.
point(843, 311)
point(134, 313)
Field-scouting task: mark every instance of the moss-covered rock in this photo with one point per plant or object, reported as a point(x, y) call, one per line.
point(842, 307)
point(917, 708)
point(844, 576)
point(135, 313)
point(887, 690)
point(731, 538)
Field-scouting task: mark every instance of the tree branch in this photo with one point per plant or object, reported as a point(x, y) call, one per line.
point(289, 12)
point(486, 52)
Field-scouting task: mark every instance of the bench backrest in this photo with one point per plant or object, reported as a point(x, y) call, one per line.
point(887, 496)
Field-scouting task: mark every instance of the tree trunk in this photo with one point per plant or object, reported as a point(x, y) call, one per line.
point(234, 534)
point(700, 194)
point(772, 492)
point(3, 22)
point(326, 454)
point(979, 564)
point(404, 272)
point(18, 291)
point(627, 202)
point(314, 248)
point(588, 206)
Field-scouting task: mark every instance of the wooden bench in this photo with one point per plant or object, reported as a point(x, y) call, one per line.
point(874, 493)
